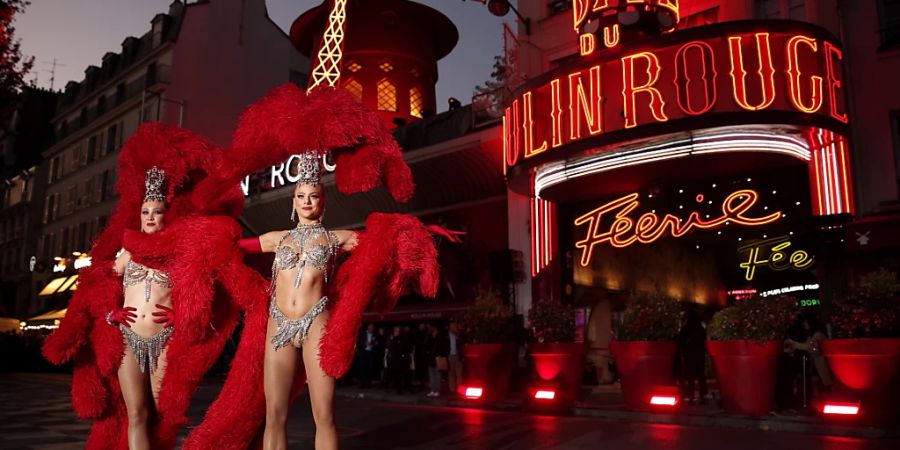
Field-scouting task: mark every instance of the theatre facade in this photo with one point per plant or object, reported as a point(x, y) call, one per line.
point(707, 164)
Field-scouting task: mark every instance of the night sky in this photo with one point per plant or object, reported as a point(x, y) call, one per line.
point(78, 32)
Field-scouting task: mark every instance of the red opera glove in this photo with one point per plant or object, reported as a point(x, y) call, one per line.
point(165, 315)
point(250, 245)
point(123, 316)
point(451, 235)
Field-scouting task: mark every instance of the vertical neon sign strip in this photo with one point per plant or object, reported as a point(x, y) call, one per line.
point(542, 216)
point(833, 194)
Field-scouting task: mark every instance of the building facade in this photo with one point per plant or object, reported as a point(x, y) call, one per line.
point(703, 150)
point(198, 67)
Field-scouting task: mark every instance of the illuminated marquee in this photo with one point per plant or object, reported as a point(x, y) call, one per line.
point(795, 74)
point(623, 230)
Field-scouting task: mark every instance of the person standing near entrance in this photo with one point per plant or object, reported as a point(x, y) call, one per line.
point(454, 358)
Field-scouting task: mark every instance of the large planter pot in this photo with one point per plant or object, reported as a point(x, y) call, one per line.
point(866, 370)
point(489, 366)
point(863, 364)
point(746, 374)
point(562, 364)
point(643, 365)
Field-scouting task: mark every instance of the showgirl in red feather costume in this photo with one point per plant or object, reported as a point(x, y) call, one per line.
point(311, 306)
point(175, 255)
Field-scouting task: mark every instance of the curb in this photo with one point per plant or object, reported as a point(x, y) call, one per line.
point(778, 424)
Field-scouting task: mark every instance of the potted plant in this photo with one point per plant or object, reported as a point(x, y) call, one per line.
point(489, 350)
point(745, 341)
point(865, 354)
point(558, 360)
point(645, 349)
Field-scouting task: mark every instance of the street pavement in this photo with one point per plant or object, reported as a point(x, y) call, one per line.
point(35, 414)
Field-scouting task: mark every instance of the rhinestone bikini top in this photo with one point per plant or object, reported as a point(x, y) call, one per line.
point(136, 273)
point(316, 254)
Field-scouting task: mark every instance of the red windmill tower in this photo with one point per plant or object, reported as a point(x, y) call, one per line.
point(384, 52)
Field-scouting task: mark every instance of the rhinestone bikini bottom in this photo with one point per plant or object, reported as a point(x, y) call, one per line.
point(293, 332)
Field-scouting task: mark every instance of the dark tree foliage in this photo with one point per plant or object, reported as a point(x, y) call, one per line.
point(13, 66)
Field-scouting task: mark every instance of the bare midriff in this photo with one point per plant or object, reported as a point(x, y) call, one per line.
point(295, 302)
point(143, 324)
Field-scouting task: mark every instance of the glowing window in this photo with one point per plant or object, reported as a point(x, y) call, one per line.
point(416, 102)
point(386, 66)
point(355, 88)
point(387, 96)
point(354, 67)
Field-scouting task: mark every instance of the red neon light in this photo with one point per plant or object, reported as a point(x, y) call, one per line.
point(845, 409)
point(630, 89)
point(545, 395)
point(511, 148)
point(580, 106)
point(831, 173)
point(611, 36)
point(587, 43)
point(793, 70)
point(664, 400)
point(474, 392)
point(528, 128)
point(766, 71)
point(833, 82)
point(556, 113)
point(624, 231)
point(683, 79)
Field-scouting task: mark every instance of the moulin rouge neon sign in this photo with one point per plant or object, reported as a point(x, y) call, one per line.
point(731, 72)
point(623, 230)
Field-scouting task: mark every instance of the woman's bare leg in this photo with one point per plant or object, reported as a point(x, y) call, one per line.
point(321, 387)
point(156, 376)
point(279, 368)
point(134, 391)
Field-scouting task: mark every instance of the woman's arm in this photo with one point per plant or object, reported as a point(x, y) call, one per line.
point(348, 239)
point(268, 241)
point(121, 261)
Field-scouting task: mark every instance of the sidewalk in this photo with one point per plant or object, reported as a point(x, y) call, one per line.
point(606, 402)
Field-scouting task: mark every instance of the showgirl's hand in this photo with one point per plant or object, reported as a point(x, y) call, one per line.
point(451, 235)
point(165, 315)
point(123, 316)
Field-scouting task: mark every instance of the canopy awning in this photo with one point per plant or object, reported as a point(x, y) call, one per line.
point(57, 314)
point(59, 286)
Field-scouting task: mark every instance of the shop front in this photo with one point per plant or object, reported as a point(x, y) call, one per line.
point(708, 165)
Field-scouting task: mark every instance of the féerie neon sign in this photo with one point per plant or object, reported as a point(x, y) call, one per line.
point(623, 230)
point(777, 257)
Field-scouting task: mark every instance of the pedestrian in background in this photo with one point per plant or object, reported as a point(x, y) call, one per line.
point(692, 356)
point(437, 347)
point(454, 358)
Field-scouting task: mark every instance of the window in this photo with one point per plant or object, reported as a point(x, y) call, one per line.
point(354, 67)
point(150, 78)
point(768, 9)
point(387, 96)
point(386, 66)
point(889, 22)
point(92, 148)
point(120, 93)
point(112, 137)
point(355, 88)
point(83, 118)
point(797, 9)
point(101, 105)
point(416, 102)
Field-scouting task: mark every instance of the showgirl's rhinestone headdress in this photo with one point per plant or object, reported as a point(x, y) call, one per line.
point(153, 184)
point(310, 168)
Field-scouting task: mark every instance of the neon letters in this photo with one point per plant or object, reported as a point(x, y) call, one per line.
point(796, 72)
point(623, 230)
point(774, 256)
